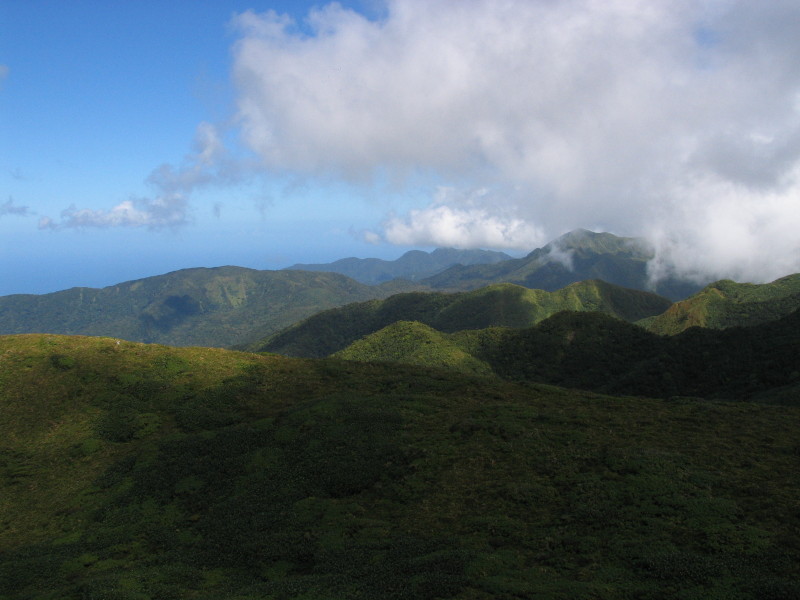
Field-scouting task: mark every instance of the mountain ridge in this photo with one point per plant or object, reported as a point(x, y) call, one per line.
point(503, 304)
point(218, 306)
point(412, 265)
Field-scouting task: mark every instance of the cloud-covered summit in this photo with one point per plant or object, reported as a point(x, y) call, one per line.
point(677, 119)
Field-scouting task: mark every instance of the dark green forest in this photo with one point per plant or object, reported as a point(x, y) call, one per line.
point(137, 471)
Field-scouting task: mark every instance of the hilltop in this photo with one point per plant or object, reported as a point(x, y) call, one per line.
point(133, 471)
point(728, 304)
point(576, 256)
point(502, 305)
point(217, 307)
point(598, 352)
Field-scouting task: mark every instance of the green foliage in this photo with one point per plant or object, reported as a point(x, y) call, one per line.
point(153, 472)
point(596, 352)
point(502, 305)
point(210, 307)
point(726, 304)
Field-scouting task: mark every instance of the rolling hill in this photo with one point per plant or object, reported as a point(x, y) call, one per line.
point(204, 307)
point(413, 265)
point(728, 304)
point(131, 471)
point(593, 351)
point(502, 305)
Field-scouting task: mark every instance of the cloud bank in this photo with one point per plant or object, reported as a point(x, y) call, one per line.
point(679, 119)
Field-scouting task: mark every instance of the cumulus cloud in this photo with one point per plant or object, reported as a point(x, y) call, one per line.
point(677, 118)
point(459, 220)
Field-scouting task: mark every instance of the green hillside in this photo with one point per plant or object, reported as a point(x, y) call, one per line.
point(414, 343)
point(593, 351)
point(413, 265)
point(576, 256)
point(502, 305)
point(209, 307)
point(728, 304)
point(134, 472)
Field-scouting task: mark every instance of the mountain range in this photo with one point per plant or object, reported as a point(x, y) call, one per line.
point(218, 307)
point(233, 306)
point(413, 265)
point(476, 441)
point(501, 305)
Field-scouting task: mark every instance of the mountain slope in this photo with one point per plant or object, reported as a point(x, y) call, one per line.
point(132, 471)
point(575, 256)
point(413, 265)
point(209, 307)
point(502, 305)
point(411, 342)
point(593, 351)
point(728, 304)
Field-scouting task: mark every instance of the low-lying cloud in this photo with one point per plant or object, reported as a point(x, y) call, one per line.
point(678, 119)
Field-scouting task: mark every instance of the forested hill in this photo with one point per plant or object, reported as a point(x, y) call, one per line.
point(503, 305)
point(205, 307)
point(132, 471)
point(593, 351)
point(728, 304)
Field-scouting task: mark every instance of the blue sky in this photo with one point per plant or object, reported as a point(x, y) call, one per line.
point(142, 137)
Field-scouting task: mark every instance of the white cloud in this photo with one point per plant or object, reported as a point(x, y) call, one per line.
point(680, 118)
point(461, 223)
point(161, 212)
point(4, 70)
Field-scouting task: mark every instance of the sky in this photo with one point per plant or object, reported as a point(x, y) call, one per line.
point(141, 137)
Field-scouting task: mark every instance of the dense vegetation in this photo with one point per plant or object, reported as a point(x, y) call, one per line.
point(205, 307)
point(413, 265)
point(132, 471)
point(597, 352)
point(727, 304)
point(501, 305)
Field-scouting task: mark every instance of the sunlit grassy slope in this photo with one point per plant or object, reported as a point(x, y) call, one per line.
point(729, 304)
point(500, 305)
point(132, 471)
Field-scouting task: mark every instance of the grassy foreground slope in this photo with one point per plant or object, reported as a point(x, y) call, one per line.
point(130, 471)
point(500, 305)
point(205, 307)
point(729, 304)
